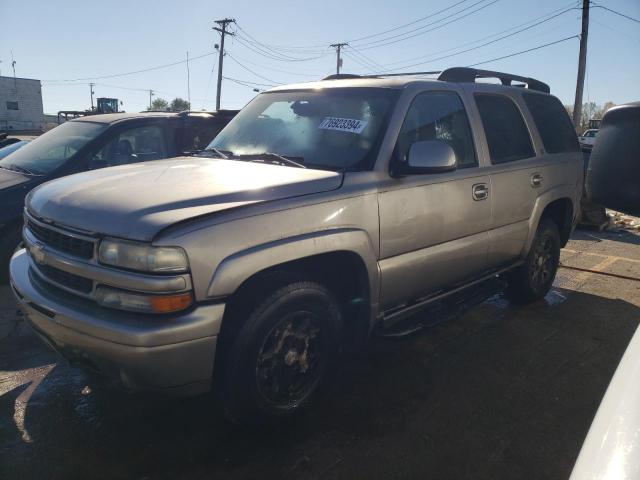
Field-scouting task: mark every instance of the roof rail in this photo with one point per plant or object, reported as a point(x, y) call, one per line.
point(466, 74)
point(377, 75)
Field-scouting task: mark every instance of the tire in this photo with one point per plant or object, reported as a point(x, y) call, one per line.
point(281, 356)
point(532, 281)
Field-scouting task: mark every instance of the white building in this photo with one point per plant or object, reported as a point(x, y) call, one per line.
point(21, 105)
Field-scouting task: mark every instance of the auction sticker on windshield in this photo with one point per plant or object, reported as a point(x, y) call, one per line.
point(343, 124)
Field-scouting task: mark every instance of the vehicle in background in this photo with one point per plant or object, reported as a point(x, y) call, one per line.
point(4, 151)
point(326, 211)
point(588, 139)
point(613, 174)
point(5, 140)
point(610, 451)
point(103, 105)
point(93, 142)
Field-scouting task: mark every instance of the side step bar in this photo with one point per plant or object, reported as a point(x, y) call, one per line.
point(391, 317)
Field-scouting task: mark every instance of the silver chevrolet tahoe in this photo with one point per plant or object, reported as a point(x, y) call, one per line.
point(322, 213)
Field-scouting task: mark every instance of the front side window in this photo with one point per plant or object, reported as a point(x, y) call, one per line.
point(333, 128)
point(139, 144)
point(437, 116)
point(52, 149)
point(507, 135)
point(553, 123)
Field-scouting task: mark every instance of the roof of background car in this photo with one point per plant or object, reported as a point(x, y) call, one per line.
point(116, 117)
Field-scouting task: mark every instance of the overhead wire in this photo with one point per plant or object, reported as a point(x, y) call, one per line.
point(524, 51)
point(503, 37)
point(420, 31)
point(158, 67)
point(597, 5)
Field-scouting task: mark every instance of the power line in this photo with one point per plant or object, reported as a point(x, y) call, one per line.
point(300, 74)
point(251, 85)
point(524, 51)
point(408, 24)
point(419, 31)
point(242, 41)
point(489, 42)
point(365, 58)
point(596, 5)
point(615, 30)
point(251, 71)
point(573, 3)
point(270, 50)
point(134, 72)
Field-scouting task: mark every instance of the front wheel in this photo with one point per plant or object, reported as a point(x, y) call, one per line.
point(532, 281)
point(282, 354)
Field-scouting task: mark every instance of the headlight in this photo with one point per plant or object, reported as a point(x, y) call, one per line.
point(139, 302)
point(142, 257)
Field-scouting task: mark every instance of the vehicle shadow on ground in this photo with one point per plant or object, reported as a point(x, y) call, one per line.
point(619, 235)
point(498, 391)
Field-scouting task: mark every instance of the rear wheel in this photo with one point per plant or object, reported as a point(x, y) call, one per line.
point(532, 281)
point(281, 355)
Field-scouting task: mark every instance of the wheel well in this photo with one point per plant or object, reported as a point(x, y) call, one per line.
point(561, 212)
point(344, 273)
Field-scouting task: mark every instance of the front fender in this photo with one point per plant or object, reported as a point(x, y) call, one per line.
point(237, 268)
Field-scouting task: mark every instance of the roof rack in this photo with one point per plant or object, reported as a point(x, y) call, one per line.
point(465, 74)
point(340, 76)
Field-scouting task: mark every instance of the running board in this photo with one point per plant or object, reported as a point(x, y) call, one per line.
point(391, 317)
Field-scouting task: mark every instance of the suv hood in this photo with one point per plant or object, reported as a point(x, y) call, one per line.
point(136, 201)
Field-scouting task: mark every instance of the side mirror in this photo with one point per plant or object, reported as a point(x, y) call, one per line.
point(431, 156)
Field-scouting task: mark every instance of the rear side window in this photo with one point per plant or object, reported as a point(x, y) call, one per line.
point(504, 127)
point(552, 122)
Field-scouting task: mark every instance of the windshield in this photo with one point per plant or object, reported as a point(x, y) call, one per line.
point(334, 128)
point(52, 149)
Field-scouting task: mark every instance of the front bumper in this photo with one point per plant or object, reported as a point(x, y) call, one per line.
point(173, 353)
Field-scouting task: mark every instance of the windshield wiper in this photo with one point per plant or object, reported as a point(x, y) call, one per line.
point(18, 168)
point(220, 153)
point(274, 158)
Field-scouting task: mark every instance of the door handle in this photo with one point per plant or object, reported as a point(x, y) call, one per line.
point(536, 180)
point(480, 191)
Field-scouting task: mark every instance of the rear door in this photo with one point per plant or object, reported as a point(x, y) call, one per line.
point(516, 176)
point(433, 228)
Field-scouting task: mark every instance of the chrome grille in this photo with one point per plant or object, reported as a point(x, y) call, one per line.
point(62, 242)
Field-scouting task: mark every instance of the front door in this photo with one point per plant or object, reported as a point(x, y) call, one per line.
point(433, 228)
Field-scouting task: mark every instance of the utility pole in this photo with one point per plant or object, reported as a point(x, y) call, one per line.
point(582, 65)
point(223, 31)
point(91, 92)
point(150, 97)
point(188, 83)
point(13, 65)
point(338, 47)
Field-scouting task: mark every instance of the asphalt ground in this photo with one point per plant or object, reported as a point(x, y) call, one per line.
point(485, 390)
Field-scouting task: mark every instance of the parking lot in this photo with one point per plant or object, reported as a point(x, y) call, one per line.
point(486, 390)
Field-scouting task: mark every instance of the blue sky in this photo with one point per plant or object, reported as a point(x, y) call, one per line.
point(69, 39)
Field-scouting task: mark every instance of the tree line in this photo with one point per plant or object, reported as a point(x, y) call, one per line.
point(590, 110)
point(161, 105)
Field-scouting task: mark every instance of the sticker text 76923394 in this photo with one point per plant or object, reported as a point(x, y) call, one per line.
point(343, 124)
